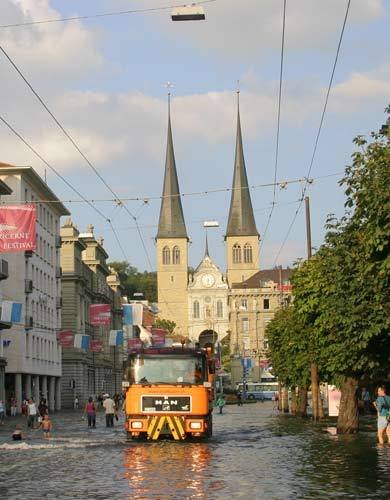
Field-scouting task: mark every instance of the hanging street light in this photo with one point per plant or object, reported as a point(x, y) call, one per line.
point(191, 12)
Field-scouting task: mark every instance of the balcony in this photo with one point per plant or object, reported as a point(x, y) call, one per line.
point(28, 286)
point(58, 272)
point(3, 269)
point(58, 241)
point(29, 322)
point(58, 302)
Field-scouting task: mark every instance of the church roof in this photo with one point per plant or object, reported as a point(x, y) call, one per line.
point(241, 219)
point(171, 223)
point(261, 277)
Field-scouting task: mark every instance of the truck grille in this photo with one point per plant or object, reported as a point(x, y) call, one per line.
point(166, 404)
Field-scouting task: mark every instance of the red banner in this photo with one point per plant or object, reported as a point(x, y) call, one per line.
point(96, 345)
point(134, 343)
point(264, 363)
point(285, 288)
point(100, 314)
point(17, 228)
point(158, 336)
point(66, 338)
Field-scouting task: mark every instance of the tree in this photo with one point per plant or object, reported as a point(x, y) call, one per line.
point(165, 324)
point(135, 281)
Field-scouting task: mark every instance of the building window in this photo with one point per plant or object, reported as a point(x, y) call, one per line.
point(166, 255)
point(265, 303)
point(236, 254)
point(247, 253)
point(245, 324)
point(176, 255)
point(196, 309)
point(244, 305)
point(219, 309)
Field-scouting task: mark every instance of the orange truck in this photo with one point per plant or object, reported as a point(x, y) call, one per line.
point(169, 393)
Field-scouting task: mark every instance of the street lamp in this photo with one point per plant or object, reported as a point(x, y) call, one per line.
point(191, 12)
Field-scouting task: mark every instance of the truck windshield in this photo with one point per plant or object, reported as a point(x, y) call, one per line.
point(166, 369)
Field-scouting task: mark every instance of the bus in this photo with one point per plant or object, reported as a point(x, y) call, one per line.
point(259, 390)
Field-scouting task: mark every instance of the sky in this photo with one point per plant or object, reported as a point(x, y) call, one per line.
point(105, 80)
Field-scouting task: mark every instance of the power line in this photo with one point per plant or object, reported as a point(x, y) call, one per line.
point(103, 14)
point(278, 124)
point(318, 133)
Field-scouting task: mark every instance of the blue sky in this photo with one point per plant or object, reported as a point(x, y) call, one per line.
point(104, 79)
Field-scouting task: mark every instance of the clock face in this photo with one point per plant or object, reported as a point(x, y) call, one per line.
point(208, 280)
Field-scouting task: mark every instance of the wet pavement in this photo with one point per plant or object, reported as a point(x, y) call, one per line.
point(254, 453)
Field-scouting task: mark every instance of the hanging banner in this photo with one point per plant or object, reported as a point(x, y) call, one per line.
point(158, 336)
point(11, 312)
point(66, 338)
point(81, 341)
point(134, 343)
point(116, 338)
point(17, 228)
point(138, 310)
point(127, 314)
point(100, 314)
point(96, 345)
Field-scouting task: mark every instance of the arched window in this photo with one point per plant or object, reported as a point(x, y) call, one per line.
point(176, 255)
point(219, 309)
point(236, 254)
point(196, 309)
point(247, 253)
point(166, 255)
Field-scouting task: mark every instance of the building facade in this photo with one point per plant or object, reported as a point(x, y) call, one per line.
point(86, 280)
point(33, 355)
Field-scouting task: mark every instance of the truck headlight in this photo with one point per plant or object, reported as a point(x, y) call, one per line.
point(136, 425)
point(195, 425)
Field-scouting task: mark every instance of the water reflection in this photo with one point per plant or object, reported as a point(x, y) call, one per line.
point(166, 468)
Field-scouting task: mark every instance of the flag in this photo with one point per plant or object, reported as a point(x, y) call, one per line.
point(17, 228)
point(81, 341)
point(11, 312)
point(138, 311)
point(116, 337)
point(127, 314)
point(100, 314)
point(96, 345)
point(66, 338)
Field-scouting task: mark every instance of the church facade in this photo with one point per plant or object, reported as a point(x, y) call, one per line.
point(203, 304)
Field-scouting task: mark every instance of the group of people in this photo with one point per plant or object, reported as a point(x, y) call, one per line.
point(37, 417)
point(111, 407)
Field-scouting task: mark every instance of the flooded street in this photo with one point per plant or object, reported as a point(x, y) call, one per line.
point(253, 454)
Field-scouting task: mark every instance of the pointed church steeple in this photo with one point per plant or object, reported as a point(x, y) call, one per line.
point(241, 219)
point(171, 223)
point(206, 250)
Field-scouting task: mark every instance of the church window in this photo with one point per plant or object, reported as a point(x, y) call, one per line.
point(196, 309)
point(236, 254)
point(166, 255)
point(247, 253)
point(219, 309)
point(176, 255)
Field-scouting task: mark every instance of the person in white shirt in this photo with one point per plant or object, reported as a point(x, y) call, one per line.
point(109, 407)
point(31, 413)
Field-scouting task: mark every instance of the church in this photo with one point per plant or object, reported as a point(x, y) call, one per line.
point(207, 304)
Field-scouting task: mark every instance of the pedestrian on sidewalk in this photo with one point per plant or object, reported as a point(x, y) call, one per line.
point(382, 405)
point(90, 410)
point(109, 407)
point(221, 403)
point(2, 412)
point(14, 406)
point(43, 409)
point(31, 413)
point(239, 398)
point(46, 426)
point(76, 403)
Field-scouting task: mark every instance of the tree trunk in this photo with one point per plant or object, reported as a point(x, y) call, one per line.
point(314, 390)
point(302, 401)
point(293, 406)
point(285, 399)
point(320, 404)
point(348, 419)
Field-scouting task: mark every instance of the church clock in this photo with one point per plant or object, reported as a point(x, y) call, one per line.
point(208, 280)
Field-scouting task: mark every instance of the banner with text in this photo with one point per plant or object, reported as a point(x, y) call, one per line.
point(158, 336)
point(96, 345)
point(17, 228)
point(66, 338)
point(100, 314)
point(134, 343)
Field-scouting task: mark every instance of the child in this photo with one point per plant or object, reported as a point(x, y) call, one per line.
point(46, 426)
point(17, 434)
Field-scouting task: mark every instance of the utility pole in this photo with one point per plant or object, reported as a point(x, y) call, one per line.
point(313, 365)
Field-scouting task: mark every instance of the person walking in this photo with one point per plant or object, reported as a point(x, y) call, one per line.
point(46, 426)
point(2, 412)
point(109, 407)
point(221, 403)
point(43, 409)
point(382, 405)
point(76, 403)
point(31, 413)
point(239, 398)
point(14, 406)
point(90, 410)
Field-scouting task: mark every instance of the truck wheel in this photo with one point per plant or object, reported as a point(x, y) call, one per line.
point(251, 397)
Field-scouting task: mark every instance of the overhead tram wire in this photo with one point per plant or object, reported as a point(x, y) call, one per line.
point(317, 136)
point(40, 157)
point(103, 14)
point(278, 124)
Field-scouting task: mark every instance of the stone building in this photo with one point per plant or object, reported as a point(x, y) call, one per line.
point(87, 280)
point(33, 355)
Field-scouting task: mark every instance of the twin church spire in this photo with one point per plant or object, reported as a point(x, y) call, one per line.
point(241, 220)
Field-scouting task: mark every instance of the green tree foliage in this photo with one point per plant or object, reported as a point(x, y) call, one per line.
point(165, 324)
point(135, 281)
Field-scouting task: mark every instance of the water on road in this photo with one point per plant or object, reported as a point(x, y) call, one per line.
point(254, 453)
